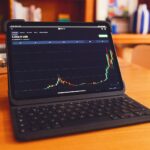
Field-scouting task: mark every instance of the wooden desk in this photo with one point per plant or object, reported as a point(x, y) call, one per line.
point(131, 39)
point(135, 137)
point(3, 70)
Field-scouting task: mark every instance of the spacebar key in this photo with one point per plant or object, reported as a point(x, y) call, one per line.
point(85, 121)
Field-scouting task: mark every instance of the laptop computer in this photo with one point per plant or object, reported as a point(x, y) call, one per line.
point(64, 78)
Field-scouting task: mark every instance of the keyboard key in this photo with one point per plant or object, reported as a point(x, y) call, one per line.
point(85, 121)
point(114, 117)
point(48, 117)
point(56, 125)
point(22, 130)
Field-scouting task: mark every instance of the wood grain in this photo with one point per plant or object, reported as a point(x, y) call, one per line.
point(136, 137)
point(89, 10)
point(3, 70)
point(131, 38)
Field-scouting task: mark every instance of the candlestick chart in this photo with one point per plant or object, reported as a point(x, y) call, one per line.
point(109, 65)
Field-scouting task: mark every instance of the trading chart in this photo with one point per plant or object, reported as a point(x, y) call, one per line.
point(109, 66)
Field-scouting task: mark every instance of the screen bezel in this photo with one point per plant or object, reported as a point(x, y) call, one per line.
point(62, 98)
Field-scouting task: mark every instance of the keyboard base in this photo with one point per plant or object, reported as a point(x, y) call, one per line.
point(79, 126)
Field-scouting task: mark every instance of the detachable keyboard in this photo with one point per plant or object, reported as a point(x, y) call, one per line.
point(48, 117)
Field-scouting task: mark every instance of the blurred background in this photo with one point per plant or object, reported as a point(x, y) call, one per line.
point(129, 19)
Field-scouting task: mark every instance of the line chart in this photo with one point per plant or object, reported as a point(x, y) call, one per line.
point(109, 66)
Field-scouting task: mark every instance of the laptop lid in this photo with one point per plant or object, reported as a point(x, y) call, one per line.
point(61, 61)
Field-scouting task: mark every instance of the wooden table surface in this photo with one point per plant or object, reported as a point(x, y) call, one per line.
point(131, 38)
point(136, 137)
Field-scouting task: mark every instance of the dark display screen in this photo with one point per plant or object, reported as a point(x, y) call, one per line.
point(50, 61)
